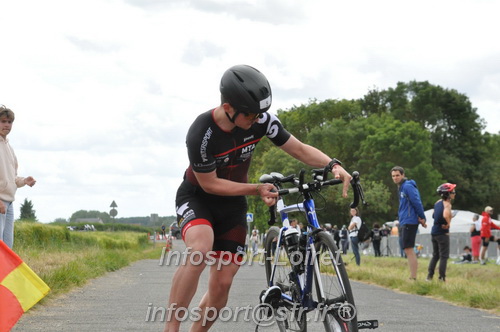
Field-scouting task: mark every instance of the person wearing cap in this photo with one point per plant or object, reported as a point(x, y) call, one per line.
point(210, 203)
point(440, 231)
point(486, 236)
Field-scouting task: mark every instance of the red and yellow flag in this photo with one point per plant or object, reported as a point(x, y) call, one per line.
point(20, 288)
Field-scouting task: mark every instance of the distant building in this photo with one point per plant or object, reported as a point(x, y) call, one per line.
point(153, 219)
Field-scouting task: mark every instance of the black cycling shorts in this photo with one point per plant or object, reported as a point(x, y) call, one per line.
point(225, 214)
point(408, 235)
point(486, 240)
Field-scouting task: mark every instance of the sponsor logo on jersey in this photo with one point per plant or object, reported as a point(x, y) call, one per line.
point(204, 143)
point(248, 138)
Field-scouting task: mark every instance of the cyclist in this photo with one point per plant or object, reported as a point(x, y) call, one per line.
point(211, 204)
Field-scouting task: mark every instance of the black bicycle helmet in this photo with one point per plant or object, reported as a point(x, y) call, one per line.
point(246, 89)
point(445, 189)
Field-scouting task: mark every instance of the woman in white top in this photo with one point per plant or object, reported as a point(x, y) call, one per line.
point(353, 233)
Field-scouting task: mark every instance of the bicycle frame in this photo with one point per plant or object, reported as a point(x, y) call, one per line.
point(299, 295)
point(304, 280)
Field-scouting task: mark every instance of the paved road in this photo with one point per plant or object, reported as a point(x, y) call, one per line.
point(126, 299)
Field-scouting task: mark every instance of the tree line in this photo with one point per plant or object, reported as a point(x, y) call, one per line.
point(433, 132)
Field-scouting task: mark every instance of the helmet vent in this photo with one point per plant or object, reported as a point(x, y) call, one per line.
point(239, 77)
point(254, 97)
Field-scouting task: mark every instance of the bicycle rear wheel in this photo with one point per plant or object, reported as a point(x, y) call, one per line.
point(333, 290)
point(289, 316)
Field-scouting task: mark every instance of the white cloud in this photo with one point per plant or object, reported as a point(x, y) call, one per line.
point(104, 91)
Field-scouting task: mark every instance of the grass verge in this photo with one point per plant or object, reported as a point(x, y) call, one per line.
point(65, 260)
point(469, 285)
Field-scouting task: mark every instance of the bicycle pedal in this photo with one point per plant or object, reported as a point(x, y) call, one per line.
point(271, 296)
point(367, 324)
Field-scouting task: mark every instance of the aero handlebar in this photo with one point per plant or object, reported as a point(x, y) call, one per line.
point(318, 182)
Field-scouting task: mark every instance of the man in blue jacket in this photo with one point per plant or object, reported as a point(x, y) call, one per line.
point(411, 214)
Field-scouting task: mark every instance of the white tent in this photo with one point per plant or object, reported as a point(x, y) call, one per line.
point(460, 223)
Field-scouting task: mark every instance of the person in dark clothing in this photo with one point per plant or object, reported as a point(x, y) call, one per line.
point(344, 239)
point(336, 235)
point(441, 231)
point(376, 239)
point(466, 256)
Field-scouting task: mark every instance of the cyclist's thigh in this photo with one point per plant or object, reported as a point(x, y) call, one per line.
point(192, 211)
point(230, 226)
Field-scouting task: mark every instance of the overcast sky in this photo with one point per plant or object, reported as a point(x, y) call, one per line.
point(105, 90)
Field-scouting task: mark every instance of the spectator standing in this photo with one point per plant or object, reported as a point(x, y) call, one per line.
point(344, 239)
point(486, 236)
point(376, 239)
point(9, 180)
point(475, 238)
point(336, 236)
point(411, 214)
point(384, 241)
point(354, 225)
point(254, 241)
point(440, 232)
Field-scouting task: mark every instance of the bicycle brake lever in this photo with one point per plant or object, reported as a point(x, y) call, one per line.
point(355, 189)
point(326, 170)
point(272, 215)
point(301, 177)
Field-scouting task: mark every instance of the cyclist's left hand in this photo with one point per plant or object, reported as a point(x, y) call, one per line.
point(340, 173)
point(268, 193)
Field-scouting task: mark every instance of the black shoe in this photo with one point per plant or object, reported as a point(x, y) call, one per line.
point(271, 296)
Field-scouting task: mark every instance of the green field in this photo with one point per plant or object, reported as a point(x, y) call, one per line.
point(65, 259)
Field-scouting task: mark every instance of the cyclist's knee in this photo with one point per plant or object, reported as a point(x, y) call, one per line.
point(221, 286)
point(199, 239)
point(222, 279)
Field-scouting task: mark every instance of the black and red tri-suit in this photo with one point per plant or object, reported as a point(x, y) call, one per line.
point(229, 154)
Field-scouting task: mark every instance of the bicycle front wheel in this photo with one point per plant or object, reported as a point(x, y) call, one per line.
point(332, 288)
point(279, 272)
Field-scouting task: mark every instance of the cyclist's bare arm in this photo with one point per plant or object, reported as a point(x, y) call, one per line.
point(222, 187)
point(314, 157)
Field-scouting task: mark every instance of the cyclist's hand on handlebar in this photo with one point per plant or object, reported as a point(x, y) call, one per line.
point(268, 193)
point(340, 173)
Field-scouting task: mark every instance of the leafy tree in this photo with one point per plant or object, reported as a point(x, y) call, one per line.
point(433, 132)
point(487, 191)
point(105, 217)
point(27, 211)
point(454, 129)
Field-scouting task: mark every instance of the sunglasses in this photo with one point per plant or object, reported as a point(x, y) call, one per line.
point(251, 116)
point(453, 192)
